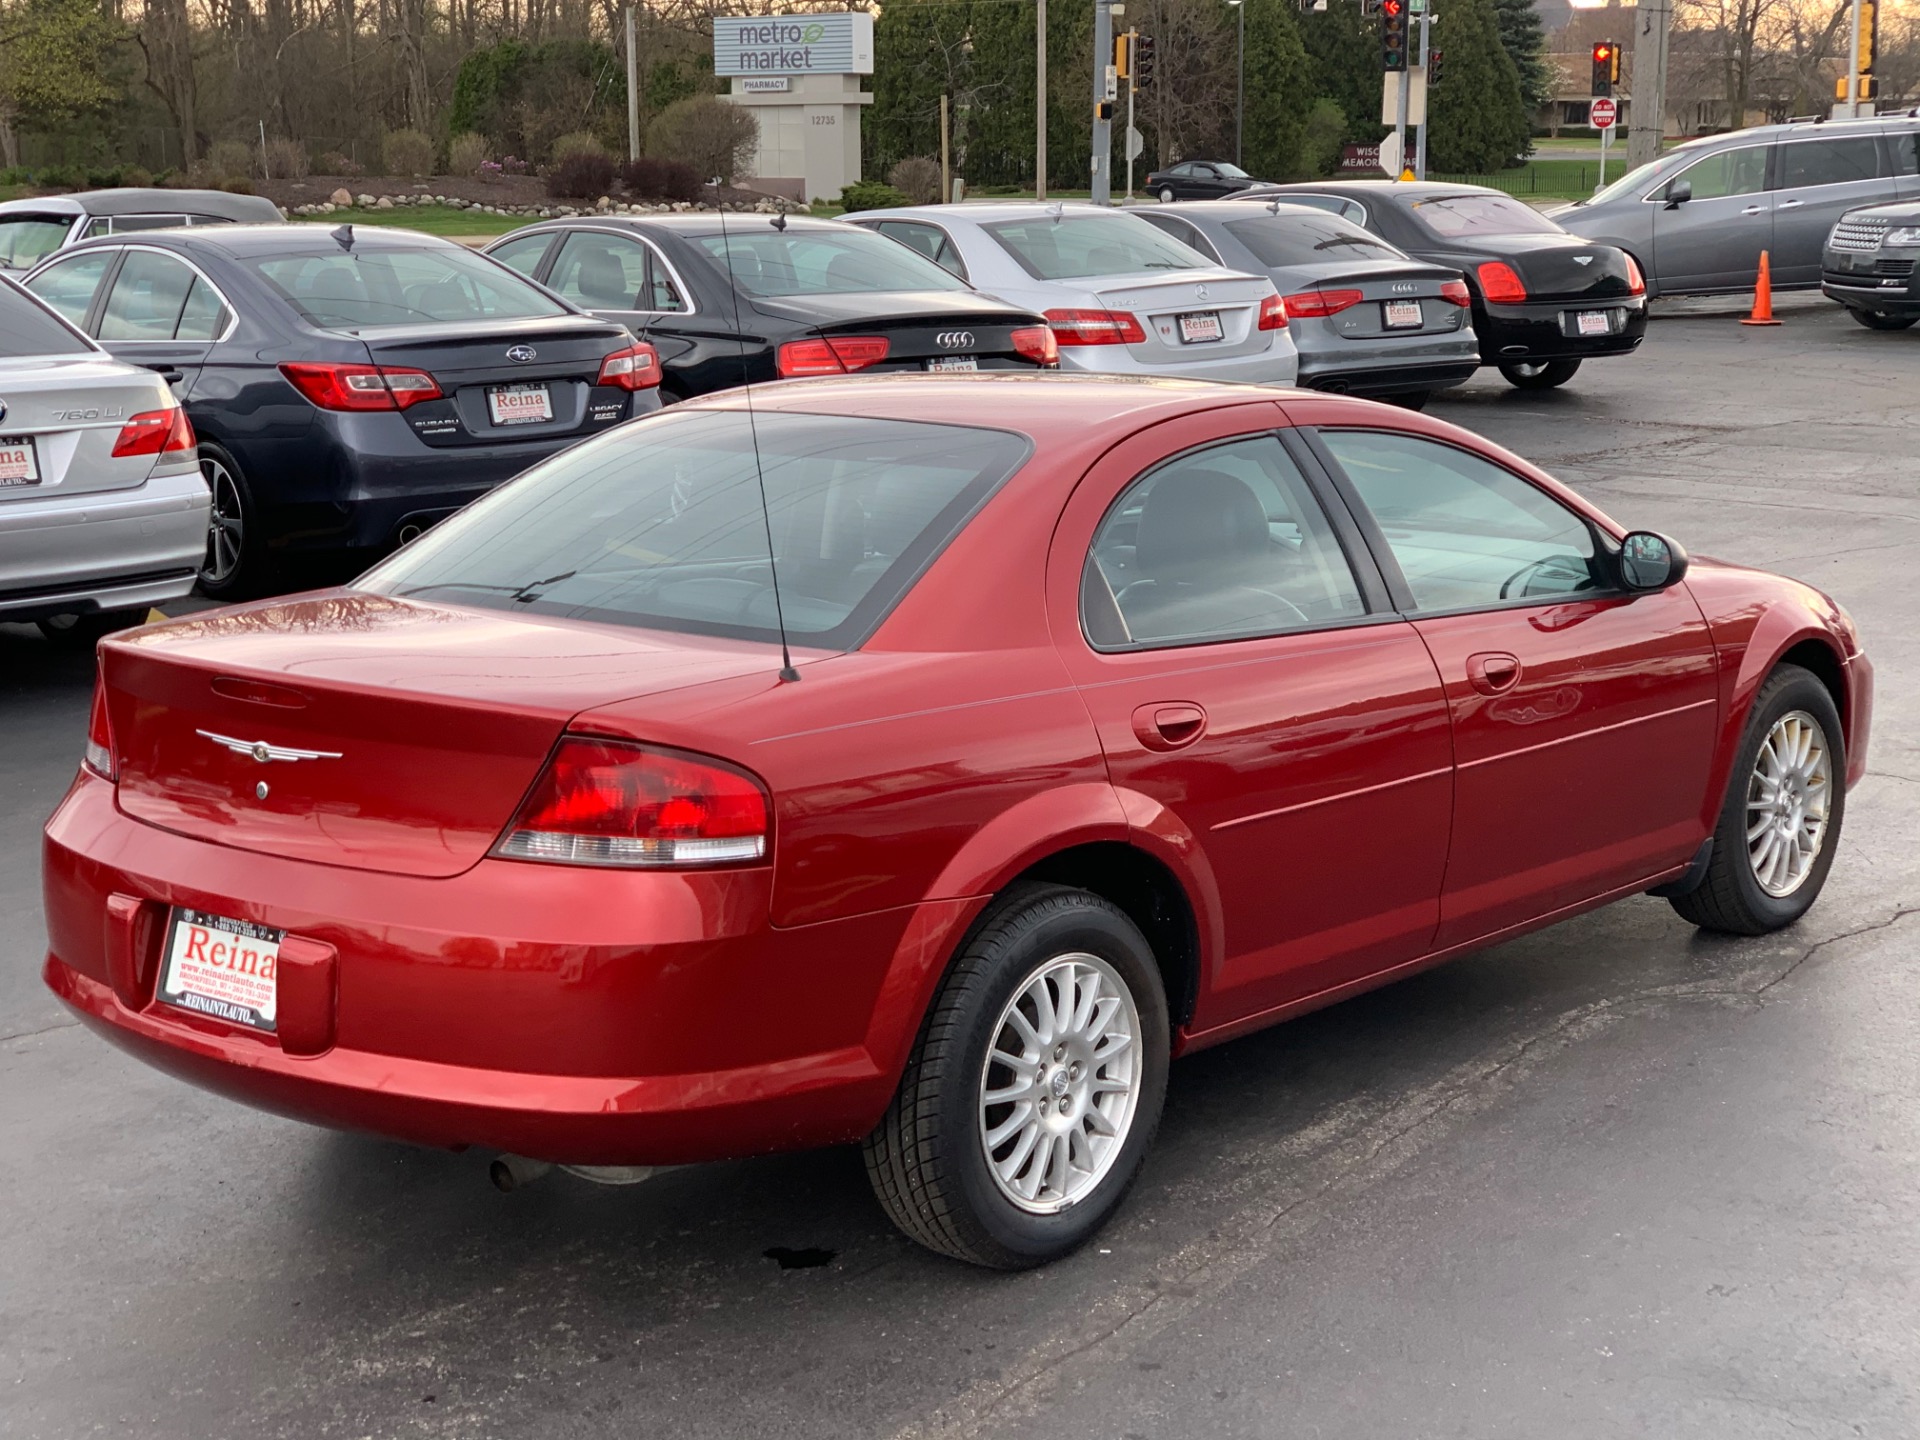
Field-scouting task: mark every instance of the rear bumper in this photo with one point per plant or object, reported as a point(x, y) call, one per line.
point(1279, 364)
point(1376, 379)
point(577, 1016)
point(122, 550)
point(1534, 332)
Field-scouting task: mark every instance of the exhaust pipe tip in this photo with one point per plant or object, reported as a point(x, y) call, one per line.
point(512, 1172)
point(409, 533)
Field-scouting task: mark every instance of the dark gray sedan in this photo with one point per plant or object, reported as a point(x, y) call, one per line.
point(1368, 319)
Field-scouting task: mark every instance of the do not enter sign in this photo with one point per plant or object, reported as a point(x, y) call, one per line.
point(1602, 114)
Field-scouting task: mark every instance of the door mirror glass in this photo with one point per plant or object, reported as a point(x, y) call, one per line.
point(1650, 562)
point(1678, 193)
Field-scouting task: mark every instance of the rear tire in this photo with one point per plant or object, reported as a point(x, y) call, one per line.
point(1880, 320)
point(1742, 893)
point(972, 1176)
point(86, 630)
point(235, 564)
point(1166, 195)
point(1540, 375)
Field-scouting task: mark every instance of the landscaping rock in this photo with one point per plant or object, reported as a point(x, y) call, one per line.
point(341, 197)
point(385, 202)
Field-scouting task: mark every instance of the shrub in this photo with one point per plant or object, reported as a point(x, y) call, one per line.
point(237, 185)
point(232, 157)
point(717, 139)
point(60, 177)
point(16, 175)
point(871, 195)
point(287, 160)
point(583, 175)
point(334, 163)
point(1320, 143)
point(466, 153)
point(578, 142)
point(918, 178)
point(135, 176)
point(650, 178)
point(407, 152)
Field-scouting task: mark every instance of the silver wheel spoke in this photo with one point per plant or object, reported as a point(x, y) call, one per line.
point(1788, 797)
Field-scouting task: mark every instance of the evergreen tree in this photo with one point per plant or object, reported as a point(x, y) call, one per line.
point(1343, 51)
point(1279, 92)
point(1479, 120)
point(1525, 40)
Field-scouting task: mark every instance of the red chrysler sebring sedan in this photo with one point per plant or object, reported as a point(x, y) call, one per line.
point(1123, 718)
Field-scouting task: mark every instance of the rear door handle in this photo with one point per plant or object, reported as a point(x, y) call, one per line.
point(1754, 210)
point(1169, 724)
point(1493, 671)
point(167, 372)
point(1789, 204)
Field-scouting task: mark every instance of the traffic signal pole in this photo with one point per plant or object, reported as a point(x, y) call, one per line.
point(1426, 41)
point(1105, 83)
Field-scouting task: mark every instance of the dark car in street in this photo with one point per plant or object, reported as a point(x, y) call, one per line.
point(349, 387)
point(1366, 318)
point(32, 229)
point(730, 300)
point(1544, 301)
point(1871, 265)
point(1198, 180)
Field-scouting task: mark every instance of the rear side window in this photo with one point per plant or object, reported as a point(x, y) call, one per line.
point(1451, 215)
point(760, 260)
point(1828, 162)
point(600, 272)
point(928, 240)
point(1308, 240)
point(346, 290)
point(661, 525)
point(26, 240)
point(27, 329)
point(1906, 152)
point(1071, 247)
point(147, 298)
point(1184, 232)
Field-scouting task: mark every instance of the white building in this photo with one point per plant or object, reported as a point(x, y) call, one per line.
point(800, 77)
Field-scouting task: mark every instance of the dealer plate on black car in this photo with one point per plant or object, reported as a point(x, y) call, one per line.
point(228, 969)
point(1402, 314)
point(519, 404)
point(1593, 322)
point(953, 362)
point(1200, 327)
point(19, 465)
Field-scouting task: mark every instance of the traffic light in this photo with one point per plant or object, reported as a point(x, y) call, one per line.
point(1122, 53)
point(1393, 34)
point(1869, 42)
point(1142, 61)
point(1103, 109)
point(1606, 68)
point(1433, 68)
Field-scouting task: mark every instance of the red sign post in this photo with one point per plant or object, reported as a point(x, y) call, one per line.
point(1602, 114)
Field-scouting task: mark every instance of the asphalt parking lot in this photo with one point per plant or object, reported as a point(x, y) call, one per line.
point(1614, 1179)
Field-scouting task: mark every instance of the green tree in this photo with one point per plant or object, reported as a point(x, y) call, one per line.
point(1525, 40)
point(1343, 48)
point(1279, 92)
point(55, 66)
point(1478, 117)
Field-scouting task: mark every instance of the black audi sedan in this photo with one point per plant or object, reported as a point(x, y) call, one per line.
point(1544, 301)
point(349, 387)
point(728, 299)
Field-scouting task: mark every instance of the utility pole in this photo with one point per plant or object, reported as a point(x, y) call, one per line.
point(633, 93)
point(1240, 89)
point(1106, 87)
point(946, 154)
point(1426, 79)
point(1853, 61)
point(1648, 122)
point(1133, 89)
point(1040, 103)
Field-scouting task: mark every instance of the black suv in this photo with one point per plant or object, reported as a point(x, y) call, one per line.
point(1869, 265)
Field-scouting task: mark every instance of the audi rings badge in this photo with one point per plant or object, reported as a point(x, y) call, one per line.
point(954, 339)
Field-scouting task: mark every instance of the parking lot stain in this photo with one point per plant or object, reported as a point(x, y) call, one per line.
point(805, 1259)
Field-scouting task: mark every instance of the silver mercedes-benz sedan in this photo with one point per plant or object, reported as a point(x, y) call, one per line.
point(103, 511)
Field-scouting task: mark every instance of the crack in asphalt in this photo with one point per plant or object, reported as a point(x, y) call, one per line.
point(1819, 945)
point(43, 1030)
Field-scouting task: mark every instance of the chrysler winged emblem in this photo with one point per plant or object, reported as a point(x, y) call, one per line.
point(266, 754)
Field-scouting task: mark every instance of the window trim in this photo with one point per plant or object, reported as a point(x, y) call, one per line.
point(944, 233)
point(657, 256)
point(1404, 604)
point(1368, 582)
point(96, 311)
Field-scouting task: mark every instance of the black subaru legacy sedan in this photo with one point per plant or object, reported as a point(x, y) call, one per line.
point(349, 387)
point(1544, 301)
point(732, 299)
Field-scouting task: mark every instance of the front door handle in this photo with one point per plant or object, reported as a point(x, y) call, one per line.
point(1753, 210)
point(1169, 724)
point(1493, 671)
point(1789, 204)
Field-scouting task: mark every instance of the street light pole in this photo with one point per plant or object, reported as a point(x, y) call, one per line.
point(1240, 89)
point(1040, 103)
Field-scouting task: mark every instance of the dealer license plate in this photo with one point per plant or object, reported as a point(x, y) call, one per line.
point(1594, 322)
point(1403, 314)
point(953, 362)
point(227, 969)
point(19, 465)
point(519, 404)
point(1200, 327)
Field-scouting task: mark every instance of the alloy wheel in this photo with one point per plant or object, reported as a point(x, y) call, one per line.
point(226, 525)
point(1788, 801)
point(1060, 1084)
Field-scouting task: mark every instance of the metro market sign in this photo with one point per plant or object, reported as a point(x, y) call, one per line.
point(837, 44)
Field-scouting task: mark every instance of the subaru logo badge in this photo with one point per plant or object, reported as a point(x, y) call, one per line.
point(521, 354)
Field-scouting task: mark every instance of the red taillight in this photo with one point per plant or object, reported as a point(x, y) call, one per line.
point(1036, 343)
point(608, 802)
point(841, 355)
point(1273, 313)
point(1095, 327)
point(1636, 282)
point(155, 432)
point(1500, 284)
point(1455, 292)
point(360, 387)
point(635, 368)
point(1312, 303)
point(99, 752)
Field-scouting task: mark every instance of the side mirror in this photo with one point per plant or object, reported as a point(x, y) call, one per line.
point(1651, 562)
point(1678, 193)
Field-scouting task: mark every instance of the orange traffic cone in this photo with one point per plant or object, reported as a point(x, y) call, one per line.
point(1762, 296)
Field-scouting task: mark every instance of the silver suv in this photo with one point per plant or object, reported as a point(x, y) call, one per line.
point(1698, 217)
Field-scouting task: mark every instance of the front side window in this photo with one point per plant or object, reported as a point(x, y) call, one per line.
point(1451, 215)
point(928, 240)
point(147, 298)
point(1731, 172)
point(1222, 544)
point(1465, 532)
point(26, 240)
point(661, 525)
point(348, 290)
point(759, 260)
point(1069, 247)
point(1828, 162)
point(69, 285)
point(598, 271)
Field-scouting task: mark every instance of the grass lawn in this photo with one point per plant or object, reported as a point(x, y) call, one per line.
point(433, 219)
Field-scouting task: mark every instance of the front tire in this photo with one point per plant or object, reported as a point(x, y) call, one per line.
point(1540, 375)
point(1780, 823)
point(1034, 1088)
point(1880, 320)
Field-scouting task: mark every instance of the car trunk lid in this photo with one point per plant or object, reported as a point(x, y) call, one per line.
point(1159, 300)
point(1414, 292)
point(924, 329)
point(63, 416)
point(364, 731)
point(1561, 268)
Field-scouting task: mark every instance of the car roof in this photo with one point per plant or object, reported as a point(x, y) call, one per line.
point(1405, 189)
point(1243, 209)
point(281, 239)
point(218, 204)
point(696, 222)
point(981, 210)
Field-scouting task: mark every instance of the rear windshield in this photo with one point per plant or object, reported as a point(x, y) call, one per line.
point(661, 525)
point(1307, 240)
point(29, 328)
point(1071, 247)
point(1482, 215)
point(765, 261)
point(344, 290)
point(28, 239)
